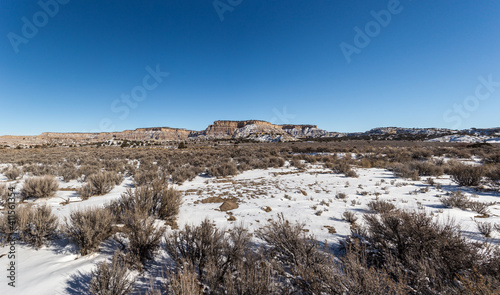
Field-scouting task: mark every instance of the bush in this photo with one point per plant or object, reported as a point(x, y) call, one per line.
point(102, 182)
point(156, 199)
point(466, 175)
point(99, 184)
point(381, 206)
point(224, 169)
point(431, 254)
point(183, 282)
point(69, 172)
point(142, 235)
point(36, 225)
point(144, 177)
point(297, 163)
point(8, 227)
point(89, 227)
point(85, 191)
point(479, 207)
point(342, 167)
point(4, 194)
point(40, 187)
point(111, 278)
point(494, 176)
point(484, 228)
point(456, 200)
point(350, 217)
point(289, 244)
point(12, 173)
point(404, 171)
point(170, 203)
point(209, 252)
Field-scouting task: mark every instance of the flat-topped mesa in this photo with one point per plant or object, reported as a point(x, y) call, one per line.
point(155, 133)
point(227, 128)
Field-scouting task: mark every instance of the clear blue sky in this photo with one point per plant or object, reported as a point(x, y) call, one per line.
point(273, 60)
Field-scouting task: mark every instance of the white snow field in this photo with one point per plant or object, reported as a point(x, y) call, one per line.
point(307, 196)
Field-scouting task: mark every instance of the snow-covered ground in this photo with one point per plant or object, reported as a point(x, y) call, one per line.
point(305, 196)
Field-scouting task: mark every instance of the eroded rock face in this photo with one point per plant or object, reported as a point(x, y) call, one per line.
point(140, 134)
point(223, 129)
point(256, 128)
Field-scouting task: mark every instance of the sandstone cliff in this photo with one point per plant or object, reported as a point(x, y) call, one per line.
point(223, 129)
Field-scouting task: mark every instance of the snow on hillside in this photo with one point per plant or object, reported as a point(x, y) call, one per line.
point(466, 138)
point(305, 196)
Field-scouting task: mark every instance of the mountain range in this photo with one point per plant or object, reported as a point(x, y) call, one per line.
point(256, 130)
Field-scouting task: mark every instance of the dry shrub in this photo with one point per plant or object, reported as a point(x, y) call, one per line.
point(276, 162)
point(36, 225)
point(111, 278)
point(89, 169)
point(297, 163)
point(350, 217)
point(381, 206)
point(459, 200)
point(4, 194)
point(456, 200)
point(467, 175)
point(181, 174)
point(428, 168)
point(211, 253)
point(431, 254)
point(102, 183)
point(157, 199)
point(403, 171)
point(89, 227)
point(85, 191)
point(342, 167)
point(8, 227)
point(170, 202)
point(144, 177)
point(69, 172)
point(183, 281)
point(40, 187)
point(12, 173)
point(143, 237)
point(485, 228)
point(308, 264)
point(252, 275)
point(479, 207)
point(227, 168)
point(354, 274)
point(494, 176)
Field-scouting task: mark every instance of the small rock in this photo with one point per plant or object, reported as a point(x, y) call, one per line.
point(228, 205)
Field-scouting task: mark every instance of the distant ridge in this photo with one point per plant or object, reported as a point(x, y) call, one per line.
point(256, 130)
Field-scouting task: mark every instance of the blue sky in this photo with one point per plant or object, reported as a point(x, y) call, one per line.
point(88, 64)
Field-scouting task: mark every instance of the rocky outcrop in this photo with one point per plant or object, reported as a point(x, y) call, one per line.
point(304, 131)
point(253, 129)
point(257, 130)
